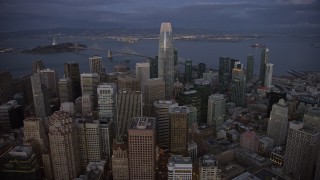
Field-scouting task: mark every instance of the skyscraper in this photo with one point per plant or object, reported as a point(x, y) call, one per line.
point(130, 82)
point(95, 64)
point(65, 90)
point(40, 96)
point(188, 71)
point(238, 88)
point(178, 129)
point(87, 104)
point(224, 73)
point(107, 101)
point(37, 66)
point(63, 146)
point(50, 80)
point(201, 69)
point(250, 66)
point(268, 75)
point(153, 66)
point(89, 84)
point(154, 90)
point(71, 70)
point(120, 161)
point(141, 139)
point(161, 112)
point(203, 87)
point(106, 131)
point(166, 58)
point(278, 123)
point(34, 129)
point(216, 110)
point(142, 73)
point(264, 61)
point(302, 149)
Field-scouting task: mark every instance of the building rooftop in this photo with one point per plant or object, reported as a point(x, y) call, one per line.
point(143, 123)
point(208, 160)
point(164, 104)
point(179, 109)
point(179, 159)
point(21, 151)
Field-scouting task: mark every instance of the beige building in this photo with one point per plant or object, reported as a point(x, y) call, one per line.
point(34, 129)
point(95, 64)
point(153, 91)
point(128, 82)
point(65, 90)
point(208, 168)
point(89, 84)
point(141, 139)
point(63, 146)
point(120, 161)
point(178, 129)
point(143, 73)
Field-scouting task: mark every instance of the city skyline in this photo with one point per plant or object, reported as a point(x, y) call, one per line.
point(247, 15)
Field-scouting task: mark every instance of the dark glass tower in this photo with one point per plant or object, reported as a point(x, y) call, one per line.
point(201, 69)
point(250, 65)
point(264, 61)
point(153, 67)
point(166, 58)
point(224, 73)
point(188, 71)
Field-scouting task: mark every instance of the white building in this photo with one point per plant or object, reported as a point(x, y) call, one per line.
point(268, 75)
point(107, 101)
point(179, 167)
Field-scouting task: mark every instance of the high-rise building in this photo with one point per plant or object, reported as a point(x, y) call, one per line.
point(153, 66)
point(63, 146)
point(142, 73)
point(302, 149)
point(311, 118)
point(188, 71)
point(166, 58)
point(88, 137)
point(201, 69)
point(130, 82)
point(71, 70)
point(37, 66)
point(106, 132)
point(177, 89)
point(141, 139)
point(34, 130)
point(250, 66)
point(208, 168)
point(161, 113)
point(6, 90)
point(50, 80)
point(95, 64)
point(176, 61)
point(268, 75)
point(216, 110)
point(87, 104)
point(203, 87)
point(89, 84)
point(154, 90)
point(274, 97)
point(238, 88)
point(178, 129)
point(120, 161)
point(107, 101)
point(65, 90)
point(40, 96)
point(128, 106)
point(249, 141)
point(278, 123)
point(179, 167)
point(224, 73)
point(264, 61)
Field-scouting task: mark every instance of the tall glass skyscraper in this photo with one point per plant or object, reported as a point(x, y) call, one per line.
point(250, 65)
point(166, 58)
point(264, 61)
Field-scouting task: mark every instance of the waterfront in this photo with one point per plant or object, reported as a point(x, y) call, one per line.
point(285, 53)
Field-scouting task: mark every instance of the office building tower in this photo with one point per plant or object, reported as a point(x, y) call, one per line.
point(238, 88)
point(201, 69)
point(161, 113)
point(302, 149)
point(34, 130)
point(63, 146)
point(154, 90)
point(120, 161)
point(193, 116)
point(89, 84)
point(250, 67)
point(5, 117)
point(107, 101)
point(141, 139)
point(203, 87)
point(166, 58)
point(216, 110)
point(106, 136)
point(153, 66)
point(130, 82)
point(87, 104)
point(40, 96)
point(192, 150)
point(128, 106)
point(88, 138)
point(6, 90)
point(142, 73)
point(37, 66)
point(188, 71)
point(179, 167)
point(263, 63)
point(71, 70)
point(176, 61)
point(208, 168)
point(278, 123)
point(249, 141)
point(311, 118)
point(178, 129)
point(65, 90)
point(177, 89)
point(224, 74)
point(268, 75)
point(50, 80)
point(274, 97)
point(20, 163)
point(95, 64)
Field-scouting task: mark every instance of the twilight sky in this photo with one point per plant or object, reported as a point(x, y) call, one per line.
point(217, 15)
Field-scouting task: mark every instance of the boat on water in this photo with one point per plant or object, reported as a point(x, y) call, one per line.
point(258, 46)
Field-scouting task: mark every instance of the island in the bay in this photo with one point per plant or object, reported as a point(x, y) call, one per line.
point(56, 48)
